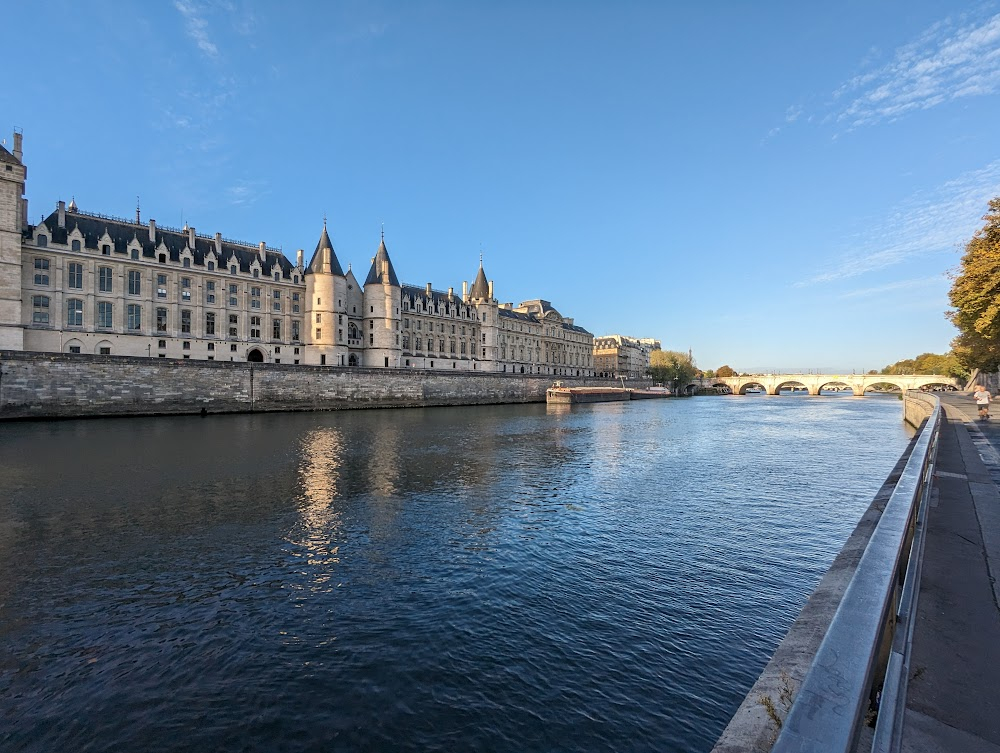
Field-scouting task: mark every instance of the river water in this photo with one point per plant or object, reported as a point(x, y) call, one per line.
point(508, 578)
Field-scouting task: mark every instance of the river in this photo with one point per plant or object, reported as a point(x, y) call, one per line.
point(606, 577)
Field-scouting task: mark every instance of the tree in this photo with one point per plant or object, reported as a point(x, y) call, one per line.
point(669, 366)
point(975, 297)
point(708, 374)
point(725, 371)
point(929, 363)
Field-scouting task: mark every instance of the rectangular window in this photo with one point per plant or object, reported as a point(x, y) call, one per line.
point(74, 312)
point(74, 348)
point(42, 275)
point(161, 286)
point(210, 285)
point(233, 301)
point(277, 295)
point(74, 278)
point(186, 346)
point(104, 314)
point(39, 309)
point(319, 334)
point(106, 250)
point(319, 318)
point(134, 316)
point(105, 279)
point(210, 324)
point(185, 288)
point(211, 346)
point(234, 322)
point(295, 330)
point(234, 289)
point(135, 253)
point(161, 320)
point(186, 321)
point(210, 298)
point(276, 306)
point(134, 282)
point(255, 298)
point(276, 329)
point(105, 351)
point(255, 327)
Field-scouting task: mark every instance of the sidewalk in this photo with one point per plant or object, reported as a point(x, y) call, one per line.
point(953, 699)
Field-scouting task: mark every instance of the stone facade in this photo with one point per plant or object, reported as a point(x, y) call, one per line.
point(85, 283)
point(621, 356)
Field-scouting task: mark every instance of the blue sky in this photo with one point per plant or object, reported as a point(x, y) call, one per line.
point(773, 185)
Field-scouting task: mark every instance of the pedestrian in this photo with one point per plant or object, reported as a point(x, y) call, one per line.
point(982, 398)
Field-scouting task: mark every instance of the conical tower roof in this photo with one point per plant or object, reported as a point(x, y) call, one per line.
point(480, 288)
point(381, 259)
point(324, 260)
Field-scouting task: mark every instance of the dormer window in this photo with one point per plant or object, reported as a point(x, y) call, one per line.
point(75, 245)
point(186, 262)
point(42, 241)
point(277, 276)
point(232, 269)
point(295, 279)
point(106, 249)
point(256, 273)
point(162, 259)
point(135, 253)
point(211, 266)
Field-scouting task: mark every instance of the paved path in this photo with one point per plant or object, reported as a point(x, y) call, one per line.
point(953, 700)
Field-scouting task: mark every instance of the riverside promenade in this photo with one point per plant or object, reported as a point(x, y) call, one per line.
point(953, 699)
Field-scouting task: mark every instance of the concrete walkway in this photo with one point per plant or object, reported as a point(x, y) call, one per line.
point(953, 700)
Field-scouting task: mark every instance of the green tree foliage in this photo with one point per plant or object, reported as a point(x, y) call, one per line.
point(669, 366)
point(929, 363)
point(975, 297)
point(725, 371)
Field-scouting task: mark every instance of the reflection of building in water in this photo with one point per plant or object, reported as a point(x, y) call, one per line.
point(322, 453)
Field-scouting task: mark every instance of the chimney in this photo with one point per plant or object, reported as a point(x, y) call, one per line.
point(18, 154)
point(61, 207)
point(428, 290)
point(191, 236)
point(465, 290)
point(218, 245)
point(152, 232)
point(491, 290)
point(263, 251)
point(24, 212)
point(451, 292)
point(298, 259)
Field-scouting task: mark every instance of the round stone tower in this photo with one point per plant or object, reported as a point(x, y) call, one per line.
point(381, 318)
point(325, 307)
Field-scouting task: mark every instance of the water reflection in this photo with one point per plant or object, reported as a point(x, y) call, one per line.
point(319, 473)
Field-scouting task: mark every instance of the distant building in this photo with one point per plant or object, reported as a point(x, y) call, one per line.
point(618, 356)
point(82, 282)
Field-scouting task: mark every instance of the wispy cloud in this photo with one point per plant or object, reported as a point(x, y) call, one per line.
point(927, 223)
point(949, 61)
point(196, 26)
point(246, 192)
point(881, 290)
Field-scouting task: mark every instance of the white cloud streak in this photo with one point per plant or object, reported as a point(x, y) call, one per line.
point(197, 27)
point(881, 290)
point(947, 62)
point(927, 223)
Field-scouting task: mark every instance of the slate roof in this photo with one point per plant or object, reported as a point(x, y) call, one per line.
point(374, 274)
point(415, 291)
point(6, 156)
point(480, 288)
point(324, 260)
point(535, 320)
point(122, 232)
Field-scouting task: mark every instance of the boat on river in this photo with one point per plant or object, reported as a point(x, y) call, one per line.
point(566, 395)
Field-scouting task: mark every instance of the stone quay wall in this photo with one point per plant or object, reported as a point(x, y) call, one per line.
point(54, 385)
point(917, 406)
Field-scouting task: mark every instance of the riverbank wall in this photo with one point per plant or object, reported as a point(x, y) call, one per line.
point(54, 385)
point(917, 407)
point(757, 721)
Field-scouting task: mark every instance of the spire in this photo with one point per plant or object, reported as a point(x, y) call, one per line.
point(72, 205)
point(480, 288)
point(324, 260)
point(382, 263)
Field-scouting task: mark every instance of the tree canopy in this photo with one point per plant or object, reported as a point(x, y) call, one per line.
point(929, 363)
point(975, 297)
point(725, 371)
point(670, 366)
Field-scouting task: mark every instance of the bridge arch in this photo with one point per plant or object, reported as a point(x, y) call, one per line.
point(751, 387)
point(837, 385)
point(793, 385)
point(882, 384)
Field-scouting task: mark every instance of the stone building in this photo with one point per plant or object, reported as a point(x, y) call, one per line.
point(82, 282)
point(621, 356)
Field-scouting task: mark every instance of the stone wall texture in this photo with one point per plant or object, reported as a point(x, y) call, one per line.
point(52, 385)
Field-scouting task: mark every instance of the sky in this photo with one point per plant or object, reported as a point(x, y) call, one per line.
point(774, 186)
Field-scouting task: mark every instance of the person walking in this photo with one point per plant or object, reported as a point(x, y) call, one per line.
point(982, 398)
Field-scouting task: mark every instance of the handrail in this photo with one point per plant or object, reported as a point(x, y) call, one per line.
point(872, 622)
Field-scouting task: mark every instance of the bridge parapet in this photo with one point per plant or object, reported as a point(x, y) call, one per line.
point(858, 384)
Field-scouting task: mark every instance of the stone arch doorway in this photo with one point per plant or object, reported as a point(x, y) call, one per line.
point(255, 356)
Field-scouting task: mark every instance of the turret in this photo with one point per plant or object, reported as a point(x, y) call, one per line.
point(381, 317)
point(325, 306)
point(13, 217)
point(486, 308)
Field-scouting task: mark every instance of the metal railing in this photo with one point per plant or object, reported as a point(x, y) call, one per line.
point(862, 664)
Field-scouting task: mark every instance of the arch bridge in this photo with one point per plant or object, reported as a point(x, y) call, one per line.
point(858, 384)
